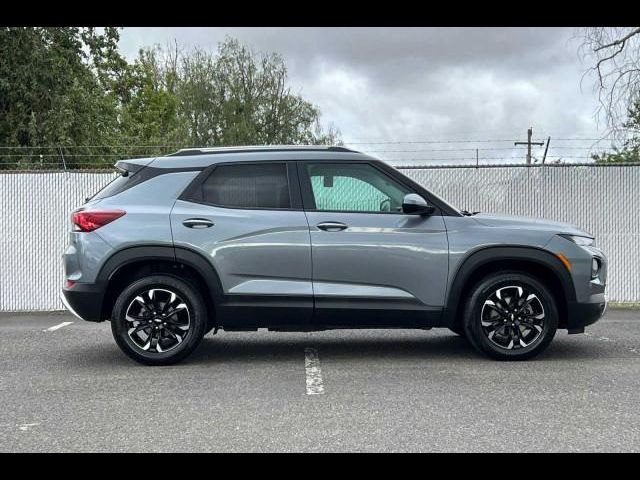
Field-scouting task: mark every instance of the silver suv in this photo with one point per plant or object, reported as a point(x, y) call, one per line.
point(300, 238)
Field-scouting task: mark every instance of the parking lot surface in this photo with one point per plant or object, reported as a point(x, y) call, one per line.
point(67, 387)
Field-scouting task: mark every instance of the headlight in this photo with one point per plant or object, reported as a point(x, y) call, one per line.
point(596, 263)
point(578, 240)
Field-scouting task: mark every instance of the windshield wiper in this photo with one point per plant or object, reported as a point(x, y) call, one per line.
point(467, 213)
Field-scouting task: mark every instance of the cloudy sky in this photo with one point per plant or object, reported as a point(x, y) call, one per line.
point(464, 87)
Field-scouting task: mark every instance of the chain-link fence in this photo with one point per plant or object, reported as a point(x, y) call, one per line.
point(601, 199)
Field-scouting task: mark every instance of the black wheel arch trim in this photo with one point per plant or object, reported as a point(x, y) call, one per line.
point(130, 255)
point(489, 254)
point(180, 255)
point(207, 271)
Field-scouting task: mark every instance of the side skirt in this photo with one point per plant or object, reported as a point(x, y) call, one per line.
point(287, 313)
point(345, 312)
point(242, 312)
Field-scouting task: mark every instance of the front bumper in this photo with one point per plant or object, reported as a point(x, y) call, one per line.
point(84, 301)
point(584, 314)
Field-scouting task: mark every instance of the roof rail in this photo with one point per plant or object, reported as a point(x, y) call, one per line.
point(258, 148)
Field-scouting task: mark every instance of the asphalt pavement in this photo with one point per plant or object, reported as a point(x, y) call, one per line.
point(67, 387)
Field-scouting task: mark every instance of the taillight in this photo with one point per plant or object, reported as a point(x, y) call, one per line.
point(89, 220)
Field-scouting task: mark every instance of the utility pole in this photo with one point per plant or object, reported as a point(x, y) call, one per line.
point(528, 143)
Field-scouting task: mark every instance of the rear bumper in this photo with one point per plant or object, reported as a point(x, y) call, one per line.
point(84, 301)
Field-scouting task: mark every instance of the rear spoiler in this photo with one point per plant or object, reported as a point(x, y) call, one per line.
point(133, 165)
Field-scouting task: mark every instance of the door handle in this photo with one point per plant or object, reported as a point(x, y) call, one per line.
point(331, 226)
point(198, 223)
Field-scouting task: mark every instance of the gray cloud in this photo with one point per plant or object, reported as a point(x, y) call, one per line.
point(396, 84)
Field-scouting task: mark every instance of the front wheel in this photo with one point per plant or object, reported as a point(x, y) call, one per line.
point(159, 320)
point(510, 316)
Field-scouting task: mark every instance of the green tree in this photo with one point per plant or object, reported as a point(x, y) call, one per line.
point(53, 88)
point(229, 97)
point(149, 106)
point(239, 97)
point(70, 89)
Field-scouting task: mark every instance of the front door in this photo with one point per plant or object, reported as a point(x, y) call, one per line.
point(373, 265)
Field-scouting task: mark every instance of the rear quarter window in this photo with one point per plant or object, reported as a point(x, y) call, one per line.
point(126, 180)
point(116, 185)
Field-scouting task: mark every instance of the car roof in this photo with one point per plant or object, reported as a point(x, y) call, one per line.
point(203, 157)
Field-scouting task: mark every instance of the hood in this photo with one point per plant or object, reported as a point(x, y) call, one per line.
point(528, 223)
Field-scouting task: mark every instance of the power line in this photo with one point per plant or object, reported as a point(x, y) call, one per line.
point(92, 146)
point(43, 155)
point(453, 158)
point(467, 149)
point(69, 167)
point(561, 147)
point(438, 150)
point(377, 142)
point(396, 142)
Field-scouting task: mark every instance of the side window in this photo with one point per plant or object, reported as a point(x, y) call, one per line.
point(354, 188)
point(247, 186)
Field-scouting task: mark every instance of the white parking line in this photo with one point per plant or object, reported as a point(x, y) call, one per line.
point(56, 327)
point(26, 426)
point(313, 372)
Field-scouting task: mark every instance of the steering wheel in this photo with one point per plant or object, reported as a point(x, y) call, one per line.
point(385, 205)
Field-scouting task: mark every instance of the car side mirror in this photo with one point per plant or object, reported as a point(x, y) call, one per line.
point(414, 204)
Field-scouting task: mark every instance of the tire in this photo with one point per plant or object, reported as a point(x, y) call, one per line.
point(162, 338)
point(520, 311)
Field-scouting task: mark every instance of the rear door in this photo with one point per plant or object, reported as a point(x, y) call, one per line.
point(246, 219)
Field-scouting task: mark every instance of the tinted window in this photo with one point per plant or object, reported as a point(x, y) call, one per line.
point(115, 186)
point(248, 186)
point(354, 188)
point(127, 180)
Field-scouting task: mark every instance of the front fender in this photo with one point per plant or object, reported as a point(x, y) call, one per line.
point(482, 258)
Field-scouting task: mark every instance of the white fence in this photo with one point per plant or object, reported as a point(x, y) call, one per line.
point(604, 200)
point(35, 220)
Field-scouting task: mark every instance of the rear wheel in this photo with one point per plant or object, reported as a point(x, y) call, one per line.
point(159, 320)
point(510, 316)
